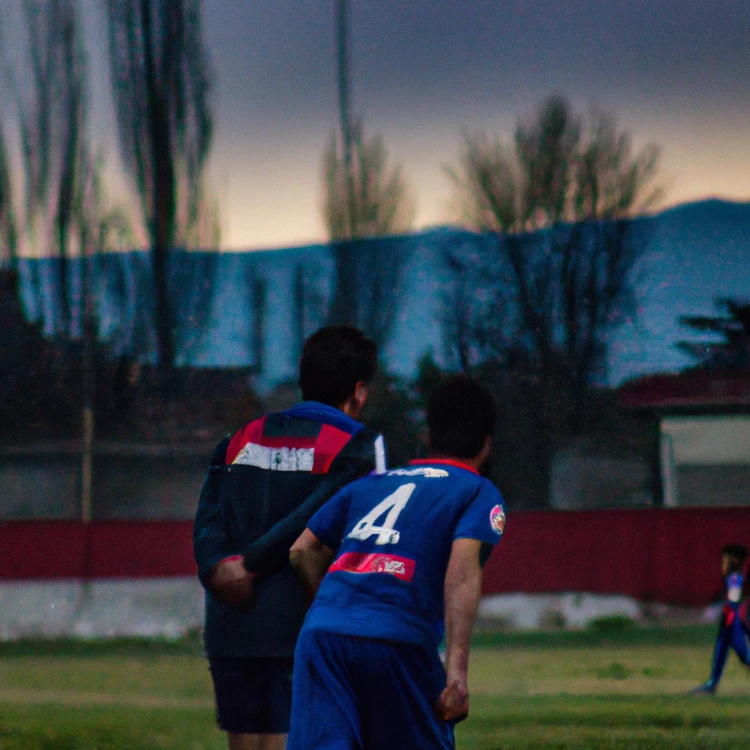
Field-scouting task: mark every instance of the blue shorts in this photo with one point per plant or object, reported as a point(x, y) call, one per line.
point(253, 696)
point(352, 693)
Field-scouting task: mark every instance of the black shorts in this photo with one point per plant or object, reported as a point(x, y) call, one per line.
point(253, 696)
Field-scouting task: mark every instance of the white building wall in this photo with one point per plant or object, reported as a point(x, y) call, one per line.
point(705, 460)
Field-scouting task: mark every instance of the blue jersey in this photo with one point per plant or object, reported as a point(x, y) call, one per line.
point(394, 534)
point(734, 582)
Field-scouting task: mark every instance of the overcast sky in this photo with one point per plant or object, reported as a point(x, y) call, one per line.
point(676, 72)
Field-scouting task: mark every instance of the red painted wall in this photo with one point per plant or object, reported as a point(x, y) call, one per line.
point(651, 555)
point(103, 549)
point(664, 555)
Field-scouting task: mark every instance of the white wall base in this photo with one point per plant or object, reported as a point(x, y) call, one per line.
point(162, 607)
point(577, 610)
point(170, 607)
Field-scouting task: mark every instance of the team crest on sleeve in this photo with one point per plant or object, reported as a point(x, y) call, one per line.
point(497, 519)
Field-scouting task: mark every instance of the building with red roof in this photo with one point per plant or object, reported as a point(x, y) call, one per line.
point(704, 434)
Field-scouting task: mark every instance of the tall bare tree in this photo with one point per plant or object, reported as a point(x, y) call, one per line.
point(364, 197)
point(376, 202)
point(477, 324)
point(559, 167)
point(561, 196)
point(309, 307)
point(8, 228)
point(50, 98)
point(161, 77)
point(580, 181)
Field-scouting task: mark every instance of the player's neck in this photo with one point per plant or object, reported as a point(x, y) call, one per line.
point(349, 408)
point(473, 463)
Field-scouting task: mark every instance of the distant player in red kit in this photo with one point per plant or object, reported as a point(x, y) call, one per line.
point(405, 550)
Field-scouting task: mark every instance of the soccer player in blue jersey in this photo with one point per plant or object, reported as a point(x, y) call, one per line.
point(733, 629)
point(396, 562)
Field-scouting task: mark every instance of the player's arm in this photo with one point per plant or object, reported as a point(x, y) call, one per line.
point(313, 552)
point(311, 559)
point(211, 542)
point(220, 569)
point(359, 457)
point(463, 588)
point(477, 532)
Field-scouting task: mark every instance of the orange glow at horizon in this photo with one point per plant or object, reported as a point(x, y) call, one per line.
point(276, 203)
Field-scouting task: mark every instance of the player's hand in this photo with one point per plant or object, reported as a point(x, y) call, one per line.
point(453, 704)
point(231, 583)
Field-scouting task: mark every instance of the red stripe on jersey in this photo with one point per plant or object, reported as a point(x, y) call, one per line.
point(250, 433)
point(445, 462)
point(364, 562)
point(328, 445)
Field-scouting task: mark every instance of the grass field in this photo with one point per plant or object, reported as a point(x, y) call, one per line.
point(607, 689)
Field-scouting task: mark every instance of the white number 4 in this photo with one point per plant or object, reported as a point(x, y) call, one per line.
point(394, 504)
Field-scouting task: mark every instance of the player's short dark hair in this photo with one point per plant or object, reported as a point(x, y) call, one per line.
point(460, 417)
point(737, 554)
point(334, 360)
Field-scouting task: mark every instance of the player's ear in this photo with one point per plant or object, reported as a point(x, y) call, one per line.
point(361, 392)
point(355, 403)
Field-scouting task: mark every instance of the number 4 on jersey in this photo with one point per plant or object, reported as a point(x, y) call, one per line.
point(394, 504)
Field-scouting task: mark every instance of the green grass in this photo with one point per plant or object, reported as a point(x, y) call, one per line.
point(605, 721)
point(83, 648)
point(613, 687)
point(54, 727)
point(701, 636)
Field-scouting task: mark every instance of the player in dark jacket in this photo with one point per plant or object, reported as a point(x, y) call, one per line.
point(263, 485)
